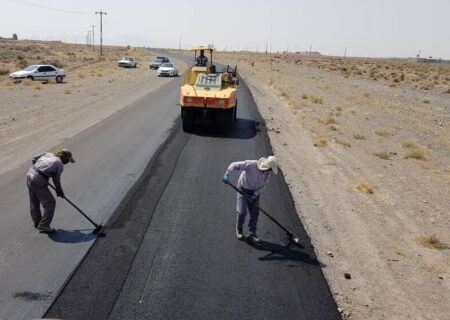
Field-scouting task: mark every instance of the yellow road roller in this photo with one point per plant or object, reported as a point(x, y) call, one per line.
point(208, 96)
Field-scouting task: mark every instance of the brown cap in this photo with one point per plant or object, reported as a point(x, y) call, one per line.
point(65, 153)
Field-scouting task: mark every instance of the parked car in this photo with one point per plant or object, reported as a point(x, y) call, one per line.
point(163, 58)
point(40, 72)
point(167, 69)
point(127, 62)
point(156, 63)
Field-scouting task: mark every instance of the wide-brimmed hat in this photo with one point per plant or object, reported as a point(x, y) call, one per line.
point(65, 153)
point(268, 163)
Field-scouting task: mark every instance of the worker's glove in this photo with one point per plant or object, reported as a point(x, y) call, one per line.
point(226, 178)
point(60, 193)
point(254, 197)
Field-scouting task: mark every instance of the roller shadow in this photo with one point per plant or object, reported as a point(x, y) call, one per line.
point(72, 236)
point(241, 129)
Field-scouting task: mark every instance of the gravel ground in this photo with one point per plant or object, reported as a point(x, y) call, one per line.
point(368, 166)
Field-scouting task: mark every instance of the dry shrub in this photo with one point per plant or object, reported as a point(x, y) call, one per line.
point(432, 242)
point(320, 142)
point(409, 144)
point(67, 91)
point(22, 64)
point(385, 155)
point(81, 75)
point(359, 136)
point(383, 133)
point(305, 96)
point(4, 71)
point(343, 143)
point(326, 121)
point(365, 188)
point(366, 94)
point(37, 86)
point(415, 153)
point(426, 101)
point(316, 99)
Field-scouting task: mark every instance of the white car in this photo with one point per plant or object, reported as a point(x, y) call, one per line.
point(40, 72)
point(127, 62)
point(167, 69)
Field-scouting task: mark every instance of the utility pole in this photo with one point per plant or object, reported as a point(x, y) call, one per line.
point(88, 39)
point(93, 38)
point(345, 52)
point(101, 13)
point(257, 47)
point(179, 44)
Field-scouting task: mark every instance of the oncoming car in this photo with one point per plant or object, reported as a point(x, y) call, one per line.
point(167, 69)
point(40, 72)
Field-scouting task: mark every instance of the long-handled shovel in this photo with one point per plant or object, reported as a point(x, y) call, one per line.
point(98, 227)
point(291, 235)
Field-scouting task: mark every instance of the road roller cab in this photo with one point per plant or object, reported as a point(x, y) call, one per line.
point(208, 95)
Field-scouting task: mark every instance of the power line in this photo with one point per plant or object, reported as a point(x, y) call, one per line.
point(41, 6)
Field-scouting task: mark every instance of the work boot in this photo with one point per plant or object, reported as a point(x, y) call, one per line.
point(239, 234)
point(254, 238)
point(47, 230)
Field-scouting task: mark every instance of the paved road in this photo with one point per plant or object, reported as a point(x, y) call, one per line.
point(111, 156)
point(171, 252)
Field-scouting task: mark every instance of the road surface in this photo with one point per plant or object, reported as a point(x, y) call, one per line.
point(171, 251)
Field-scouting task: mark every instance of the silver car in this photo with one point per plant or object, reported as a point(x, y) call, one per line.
point(40, 72)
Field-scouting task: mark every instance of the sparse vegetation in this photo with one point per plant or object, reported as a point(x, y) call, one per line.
point(412, 151)
point(359, 136)
point(415, 153)
point(326, 121)
point(316, 99)
point(365, 188)
point(4, 71)
point(409, 144)
point(432, 242)
point(383, 133)
point(320, 142)
point(385, 155)
point(343, 143)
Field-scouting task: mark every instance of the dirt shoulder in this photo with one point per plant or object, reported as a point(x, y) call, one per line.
point(35, 117)
point(368, 165)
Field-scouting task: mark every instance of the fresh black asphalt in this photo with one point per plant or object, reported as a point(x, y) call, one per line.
point(170, 250)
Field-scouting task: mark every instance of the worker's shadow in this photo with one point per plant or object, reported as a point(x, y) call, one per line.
point(72, 236)
point(288, 252)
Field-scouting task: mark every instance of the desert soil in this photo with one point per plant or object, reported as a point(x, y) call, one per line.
point(36, 116)
point(368, 164)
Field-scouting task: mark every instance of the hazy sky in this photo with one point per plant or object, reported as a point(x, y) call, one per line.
point(376, 28)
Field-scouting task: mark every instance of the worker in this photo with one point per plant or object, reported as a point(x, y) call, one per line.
point(45, 166)
point(202, 60)
point(254, 177)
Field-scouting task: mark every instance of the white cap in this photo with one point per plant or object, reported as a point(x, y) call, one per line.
point(268, 163)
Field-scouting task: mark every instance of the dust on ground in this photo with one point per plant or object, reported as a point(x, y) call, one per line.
point(36, 116)
point(366, 156)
